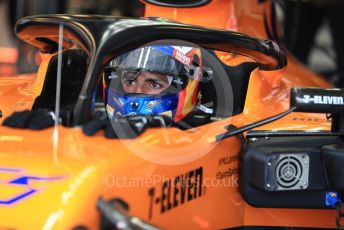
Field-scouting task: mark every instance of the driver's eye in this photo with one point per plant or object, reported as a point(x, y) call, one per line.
point(154, 84)
point(129, 82)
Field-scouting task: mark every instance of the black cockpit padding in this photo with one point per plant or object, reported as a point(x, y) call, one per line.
point(239, 78)
point(74, 67)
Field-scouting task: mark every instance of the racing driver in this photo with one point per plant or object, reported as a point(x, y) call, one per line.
point(155, 79)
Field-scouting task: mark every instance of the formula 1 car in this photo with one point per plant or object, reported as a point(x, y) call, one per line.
point(263, 154)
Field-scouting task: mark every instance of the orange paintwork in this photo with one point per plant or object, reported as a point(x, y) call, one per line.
point(22, 89)
point(86, 168)
point(8, 59)
point(90, 166)
point(8, 55)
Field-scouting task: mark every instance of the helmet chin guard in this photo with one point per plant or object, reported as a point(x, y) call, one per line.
point(141, 104)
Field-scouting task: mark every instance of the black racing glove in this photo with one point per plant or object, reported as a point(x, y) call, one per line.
point(100, 121)
point(36, 119)
point(118, 127)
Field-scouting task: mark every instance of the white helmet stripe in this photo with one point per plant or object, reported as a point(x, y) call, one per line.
point(146, 59)
point(140, 58)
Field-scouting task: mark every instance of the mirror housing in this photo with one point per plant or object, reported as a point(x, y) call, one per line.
point(317, 100)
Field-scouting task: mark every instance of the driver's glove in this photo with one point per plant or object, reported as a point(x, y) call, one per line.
point(118, 127)
point(36, 119)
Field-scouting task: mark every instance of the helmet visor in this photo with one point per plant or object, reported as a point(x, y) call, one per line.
point(150, 59)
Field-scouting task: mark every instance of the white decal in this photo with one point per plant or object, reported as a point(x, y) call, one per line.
point(182, 58)
point(324, 100)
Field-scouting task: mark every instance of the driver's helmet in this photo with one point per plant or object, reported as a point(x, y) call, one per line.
point(155, 79)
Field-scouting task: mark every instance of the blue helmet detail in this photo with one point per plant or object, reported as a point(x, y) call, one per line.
point(132, 104)
point(168, 50)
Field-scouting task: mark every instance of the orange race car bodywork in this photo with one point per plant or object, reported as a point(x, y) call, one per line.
point(53, 178)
